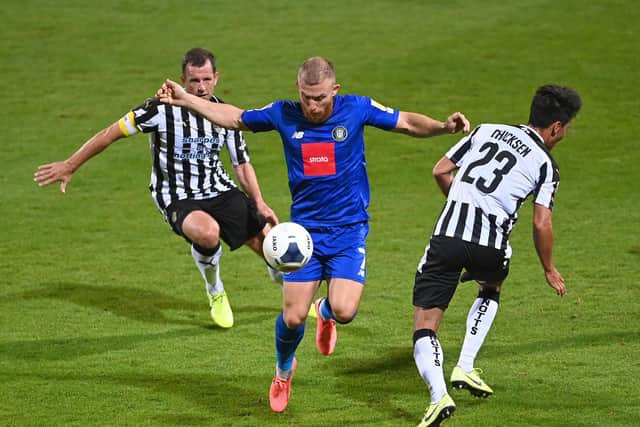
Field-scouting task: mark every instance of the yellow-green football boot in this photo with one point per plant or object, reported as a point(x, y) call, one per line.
point(470, 381)
point(221, 313)
point(438, 412)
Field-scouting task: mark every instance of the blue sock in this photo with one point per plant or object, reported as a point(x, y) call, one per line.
point(287, 341)
point(327, 313)
point(325, 309)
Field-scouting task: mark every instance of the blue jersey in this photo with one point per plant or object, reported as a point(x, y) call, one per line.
point(326, 163)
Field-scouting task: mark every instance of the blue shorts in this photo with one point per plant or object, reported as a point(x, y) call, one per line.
point(338, 252)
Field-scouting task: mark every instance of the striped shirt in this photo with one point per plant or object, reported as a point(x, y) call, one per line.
point(185, 150)
point(499, 167)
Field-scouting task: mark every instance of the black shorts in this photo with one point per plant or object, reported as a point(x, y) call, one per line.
point(236, 214)
point(439, 271)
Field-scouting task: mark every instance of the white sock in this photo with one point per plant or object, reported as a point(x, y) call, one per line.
point(429, 359)
point(479, 322)
point(209, 266)
point(283, 374)
point(275, 275)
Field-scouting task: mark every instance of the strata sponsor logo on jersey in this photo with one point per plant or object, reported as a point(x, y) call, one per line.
point(319, 158)
point(198, 148)
point(339, 133)
point(382, 107)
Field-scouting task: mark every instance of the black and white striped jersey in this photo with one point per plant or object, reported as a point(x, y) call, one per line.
point(499, 167)
point(185, 150)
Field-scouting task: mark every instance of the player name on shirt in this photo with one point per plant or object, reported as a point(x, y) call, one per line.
point(512, 140)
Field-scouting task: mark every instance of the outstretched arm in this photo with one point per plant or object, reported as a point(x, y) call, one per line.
point(422, 126)
point(63, 171)
point(249, 182)
point(543, 241)
point(224, 115)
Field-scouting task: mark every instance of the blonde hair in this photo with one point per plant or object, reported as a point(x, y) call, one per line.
point(315, 70)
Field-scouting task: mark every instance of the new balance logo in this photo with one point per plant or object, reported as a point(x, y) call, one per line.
point(297, 135)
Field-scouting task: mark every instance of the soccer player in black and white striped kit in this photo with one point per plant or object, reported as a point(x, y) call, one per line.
point(189, 184)
point(496, 168)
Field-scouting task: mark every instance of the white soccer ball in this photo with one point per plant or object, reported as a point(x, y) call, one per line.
point(287, 247)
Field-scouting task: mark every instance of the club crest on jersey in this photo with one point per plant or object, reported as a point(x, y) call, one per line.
point(339, 133)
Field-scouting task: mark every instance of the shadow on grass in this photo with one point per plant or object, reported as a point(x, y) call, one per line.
point(583, 340)
point(142, 304)
point(382, 382)
point(72, 348)
point(218, 397)
point(132, 303)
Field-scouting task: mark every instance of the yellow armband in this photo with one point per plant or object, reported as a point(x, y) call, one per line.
point(127, 124)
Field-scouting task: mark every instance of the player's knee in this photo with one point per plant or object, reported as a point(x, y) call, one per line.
point(293, 319)
point(207, 237)
point(344, 315)
point(201, 229)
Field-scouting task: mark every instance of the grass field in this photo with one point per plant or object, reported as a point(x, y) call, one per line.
point(103, 315)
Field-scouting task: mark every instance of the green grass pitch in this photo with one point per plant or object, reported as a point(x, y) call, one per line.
point(103, 315)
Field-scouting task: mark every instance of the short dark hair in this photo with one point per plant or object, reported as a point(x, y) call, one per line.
point(553, 103)
point(198, 57)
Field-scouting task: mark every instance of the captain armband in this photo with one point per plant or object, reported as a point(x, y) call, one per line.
point(127, 124)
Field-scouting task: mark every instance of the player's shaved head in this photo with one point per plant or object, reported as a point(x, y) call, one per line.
point(315, 70)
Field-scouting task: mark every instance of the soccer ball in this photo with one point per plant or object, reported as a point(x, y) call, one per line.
point(287, 247)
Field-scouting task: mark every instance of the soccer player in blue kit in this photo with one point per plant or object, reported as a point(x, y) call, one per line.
point(323, 139)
